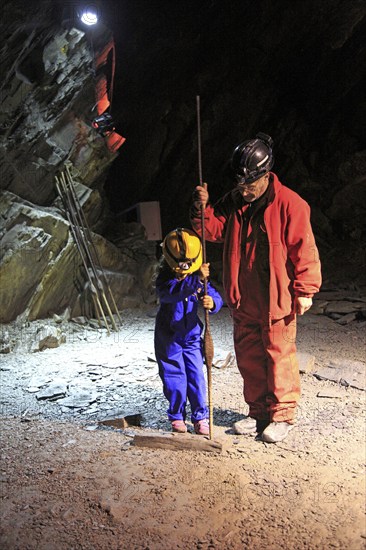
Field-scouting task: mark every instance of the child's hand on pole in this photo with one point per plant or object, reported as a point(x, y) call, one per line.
point(208, 302)
point(204, 271)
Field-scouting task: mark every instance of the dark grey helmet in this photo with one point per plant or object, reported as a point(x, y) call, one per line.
point(252, 158)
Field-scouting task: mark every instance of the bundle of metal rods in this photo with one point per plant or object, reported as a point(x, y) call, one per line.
point(98, 283)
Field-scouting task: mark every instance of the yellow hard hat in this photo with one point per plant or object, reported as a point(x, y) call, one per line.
point(182, 250)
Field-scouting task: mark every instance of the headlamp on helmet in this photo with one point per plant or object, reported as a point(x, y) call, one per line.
point(182, 251)
point(252, 158)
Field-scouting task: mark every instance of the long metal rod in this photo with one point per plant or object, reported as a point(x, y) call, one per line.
point(198, 106)
point(93, 291)
point(199, 145)
point(90, 239)
point(86, 248)
point(80, 243)
point(207, 338)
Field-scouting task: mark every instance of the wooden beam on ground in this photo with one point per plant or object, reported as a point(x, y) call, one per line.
point(179, 442)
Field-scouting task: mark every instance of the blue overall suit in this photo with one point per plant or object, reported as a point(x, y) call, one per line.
point(178, 343)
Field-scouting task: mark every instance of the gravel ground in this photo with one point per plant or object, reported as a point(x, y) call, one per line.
point(69, 482)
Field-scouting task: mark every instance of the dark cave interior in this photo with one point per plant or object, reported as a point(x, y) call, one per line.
point(293, 70)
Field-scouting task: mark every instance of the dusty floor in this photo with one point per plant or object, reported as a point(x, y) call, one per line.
point(66, 485)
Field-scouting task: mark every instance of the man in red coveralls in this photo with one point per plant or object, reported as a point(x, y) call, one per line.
point(271, 270)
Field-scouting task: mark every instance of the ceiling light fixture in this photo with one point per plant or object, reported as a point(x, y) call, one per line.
point(89, 15)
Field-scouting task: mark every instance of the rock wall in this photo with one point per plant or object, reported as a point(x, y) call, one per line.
point(42, 273)
point(296, 70)
point(48, 102)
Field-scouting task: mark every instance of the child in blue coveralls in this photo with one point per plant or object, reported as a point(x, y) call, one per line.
point(178, 329)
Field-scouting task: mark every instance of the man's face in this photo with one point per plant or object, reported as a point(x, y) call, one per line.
point(252, 191)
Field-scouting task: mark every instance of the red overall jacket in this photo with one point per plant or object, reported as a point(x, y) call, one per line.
point(293, 255)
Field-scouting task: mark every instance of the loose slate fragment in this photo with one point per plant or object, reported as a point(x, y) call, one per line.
point(346, 319)
point(343, 307)
point(54, 391)
point(78, 400)
point(344, 372)
point(306, 362)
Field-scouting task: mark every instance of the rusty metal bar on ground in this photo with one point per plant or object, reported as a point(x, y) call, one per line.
point(82, 247)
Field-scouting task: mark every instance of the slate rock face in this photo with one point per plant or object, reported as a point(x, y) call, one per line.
point(44, 121)
point(32, 240)
point(41, 271)
point(48, 102)
point(348, 209)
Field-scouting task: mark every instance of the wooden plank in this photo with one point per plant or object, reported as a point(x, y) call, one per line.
point(123, 422)
point(178, 442)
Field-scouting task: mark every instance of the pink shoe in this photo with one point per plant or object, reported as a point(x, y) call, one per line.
point(179, 426)
point(202, 427)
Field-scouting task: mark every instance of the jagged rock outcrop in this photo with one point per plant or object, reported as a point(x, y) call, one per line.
point(52, 90)
point(297, 73)
point(41, 271)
